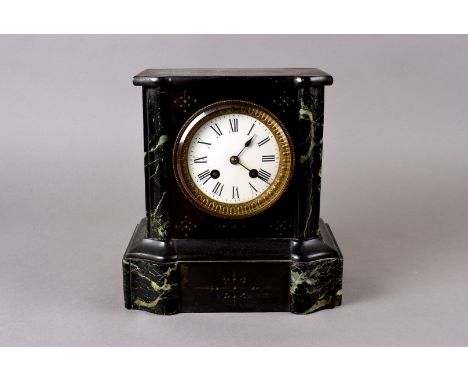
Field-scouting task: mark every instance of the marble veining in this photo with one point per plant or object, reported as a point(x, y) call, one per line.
point(156, 160)
point(159, 220)
point(314, 285)
point(305, 114)
point(310, 158)
point(153, 286)
point(157, 165)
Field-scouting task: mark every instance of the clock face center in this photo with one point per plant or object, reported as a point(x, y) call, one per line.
point(234, 159)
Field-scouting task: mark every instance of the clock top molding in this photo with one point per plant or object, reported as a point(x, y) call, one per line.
point(312, 76)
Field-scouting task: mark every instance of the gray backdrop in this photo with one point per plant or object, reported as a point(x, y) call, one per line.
point(395, 186)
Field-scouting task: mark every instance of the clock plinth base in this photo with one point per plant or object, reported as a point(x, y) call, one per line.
point(249, 275)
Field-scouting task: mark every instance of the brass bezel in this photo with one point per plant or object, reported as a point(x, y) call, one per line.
point(239, 210)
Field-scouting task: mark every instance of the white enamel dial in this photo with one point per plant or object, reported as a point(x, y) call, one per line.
point(212, 155)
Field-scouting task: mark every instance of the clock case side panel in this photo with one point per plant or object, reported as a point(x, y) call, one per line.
point(158, 166)
point(309, 143)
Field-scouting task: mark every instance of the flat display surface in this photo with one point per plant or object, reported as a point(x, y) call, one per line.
point(149, 76)
point(394, 189)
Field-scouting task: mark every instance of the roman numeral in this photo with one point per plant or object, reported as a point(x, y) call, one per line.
point(251, 128)
point(264, 175)
point(204, 143)
point(253, 187)
point(200, 160)
point(263, 141)
point(217, 130)
point(235, 192)
point(204, 175)
point(268, 158)
point(234, 125)
point(218, 188)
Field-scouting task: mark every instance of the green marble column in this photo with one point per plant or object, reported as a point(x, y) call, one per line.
point(158, 163)
point(150, 286)
point(309, 159)
point(315, 285)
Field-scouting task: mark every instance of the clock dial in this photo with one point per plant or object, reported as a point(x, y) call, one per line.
point(241, 149)
point(233, 159)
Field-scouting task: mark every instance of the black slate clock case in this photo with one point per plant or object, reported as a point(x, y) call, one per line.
point(181, 259)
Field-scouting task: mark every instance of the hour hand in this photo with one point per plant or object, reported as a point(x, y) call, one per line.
point(247, 144)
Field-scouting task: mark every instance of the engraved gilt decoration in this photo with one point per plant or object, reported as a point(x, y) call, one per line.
point(234, 288)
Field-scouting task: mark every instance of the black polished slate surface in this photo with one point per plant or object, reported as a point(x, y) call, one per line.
point(234, 286)
point(150, 77)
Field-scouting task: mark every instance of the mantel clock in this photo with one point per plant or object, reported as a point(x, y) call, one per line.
point(232, 174)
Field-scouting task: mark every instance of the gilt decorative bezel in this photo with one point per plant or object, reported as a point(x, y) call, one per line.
point(233, 210)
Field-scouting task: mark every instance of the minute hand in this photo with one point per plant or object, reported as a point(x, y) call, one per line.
point(248, 169)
